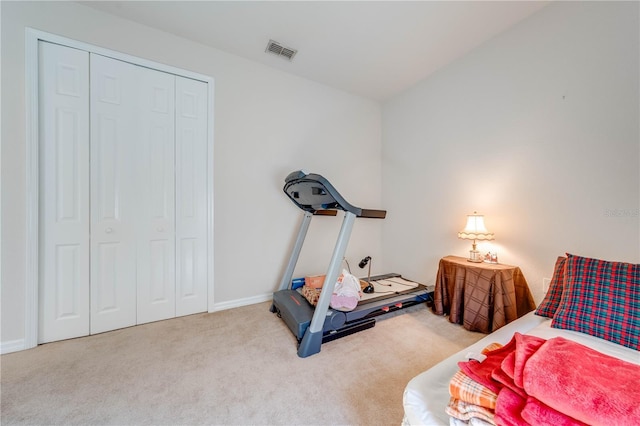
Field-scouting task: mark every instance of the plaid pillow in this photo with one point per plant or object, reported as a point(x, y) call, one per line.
point(551, 301)
point(602, 299)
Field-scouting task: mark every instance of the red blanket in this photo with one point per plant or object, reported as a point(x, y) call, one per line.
point(558, 382)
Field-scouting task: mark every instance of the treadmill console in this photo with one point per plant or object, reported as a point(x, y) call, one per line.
point(313, 193)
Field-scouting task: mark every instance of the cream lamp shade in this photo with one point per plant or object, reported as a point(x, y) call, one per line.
point(475, 230)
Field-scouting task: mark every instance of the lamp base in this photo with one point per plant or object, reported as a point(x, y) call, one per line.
point(474, 256)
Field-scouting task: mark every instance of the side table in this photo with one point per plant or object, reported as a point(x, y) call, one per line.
point(481, 296)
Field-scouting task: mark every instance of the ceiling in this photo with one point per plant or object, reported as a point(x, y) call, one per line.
point(375, 49)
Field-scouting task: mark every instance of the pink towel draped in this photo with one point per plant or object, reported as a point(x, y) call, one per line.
point(515, 410)
point(558, 382)
point(583, 383)
point(481, 371)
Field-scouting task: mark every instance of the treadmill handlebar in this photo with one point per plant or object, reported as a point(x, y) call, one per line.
point(313, 193)
point(374, 214)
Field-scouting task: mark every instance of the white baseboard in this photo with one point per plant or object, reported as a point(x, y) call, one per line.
point(19, 345)
point(12, 346)
point(241, 302)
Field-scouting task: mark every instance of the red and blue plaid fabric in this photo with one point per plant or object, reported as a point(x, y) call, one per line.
point(602, 299)
point(551, 300)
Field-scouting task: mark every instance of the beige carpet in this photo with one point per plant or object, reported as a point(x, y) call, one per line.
point(233, 367)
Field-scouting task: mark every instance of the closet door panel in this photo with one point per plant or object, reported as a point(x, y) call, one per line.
point(64, 192)
point(191, 196)
point(114, 134)
point(156, 200)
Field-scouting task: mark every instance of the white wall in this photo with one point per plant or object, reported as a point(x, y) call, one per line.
point(538, 129)
point(267, 124)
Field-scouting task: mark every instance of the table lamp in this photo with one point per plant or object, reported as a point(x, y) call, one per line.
point(475, 230)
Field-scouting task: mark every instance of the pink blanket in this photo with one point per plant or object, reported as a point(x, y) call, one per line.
point(583, 383)
point(558, 382)
point(514, 410)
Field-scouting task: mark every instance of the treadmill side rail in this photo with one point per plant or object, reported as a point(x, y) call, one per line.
point(294, 310)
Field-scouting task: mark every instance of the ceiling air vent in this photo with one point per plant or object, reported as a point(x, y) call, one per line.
point(280, 50)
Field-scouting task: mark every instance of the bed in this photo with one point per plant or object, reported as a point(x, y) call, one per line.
point(590, 303)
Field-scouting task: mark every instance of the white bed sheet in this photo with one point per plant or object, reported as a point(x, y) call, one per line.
point(427, 395)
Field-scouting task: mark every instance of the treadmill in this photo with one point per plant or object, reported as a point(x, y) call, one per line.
point(314, 195)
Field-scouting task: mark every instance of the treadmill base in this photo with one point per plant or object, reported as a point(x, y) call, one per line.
point(297, 313)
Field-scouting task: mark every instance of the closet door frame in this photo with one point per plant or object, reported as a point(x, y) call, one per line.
point(32, 37)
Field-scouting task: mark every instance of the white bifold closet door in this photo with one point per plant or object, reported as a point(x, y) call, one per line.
point(140, 253)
